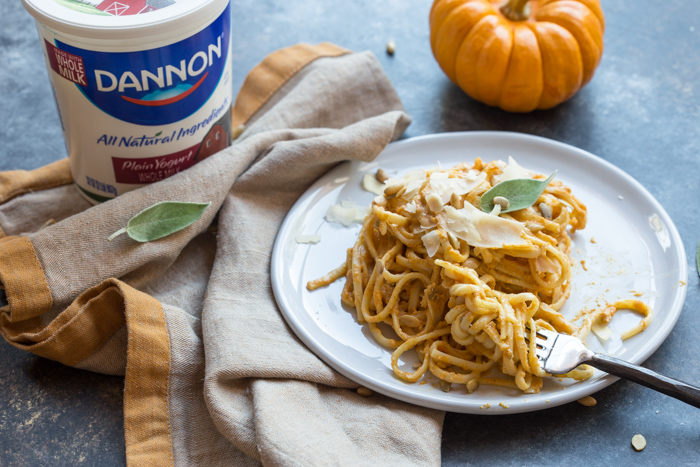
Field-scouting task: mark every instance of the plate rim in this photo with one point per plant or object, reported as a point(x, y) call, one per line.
point(404, 394)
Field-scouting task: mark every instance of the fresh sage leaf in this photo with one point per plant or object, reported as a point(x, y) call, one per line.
point(161, 220)
point(521, 193)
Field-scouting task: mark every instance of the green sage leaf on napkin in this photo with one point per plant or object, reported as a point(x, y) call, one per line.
point(161, 220)
point(521, 193)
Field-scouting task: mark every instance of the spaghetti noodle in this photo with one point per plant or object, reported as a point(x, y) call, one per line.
point(466, 289)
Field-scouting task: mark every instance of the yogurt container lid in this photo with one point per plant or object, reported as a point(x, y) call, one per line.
point(119, 19)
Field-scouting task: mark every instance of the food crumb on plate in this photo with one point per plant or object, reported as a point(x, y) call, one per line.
point(504, 405)
point(307, 238)
point(346, 213)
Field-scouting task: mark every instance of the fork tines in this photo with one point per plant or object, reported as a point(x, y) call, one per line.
point(544, 342)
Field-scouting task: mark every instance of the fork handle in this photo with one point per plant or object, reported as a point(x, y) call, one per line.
point(669, 386)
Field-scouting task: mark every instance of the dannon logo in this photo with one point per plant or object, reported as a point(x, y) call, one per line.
point(150, 87)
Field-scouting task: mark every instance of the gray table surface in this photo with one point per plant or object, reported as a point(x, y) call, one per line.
point(640, 112)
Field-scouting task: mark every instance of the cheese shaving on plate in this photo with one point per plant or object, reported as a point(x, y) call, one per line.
point(308, 238)
point(601, 330)
point(481, 229)
point(346, 213)
point(512, 171)
point(431, 241)
point(413, 180)
point(371, 184)
point(444, 187)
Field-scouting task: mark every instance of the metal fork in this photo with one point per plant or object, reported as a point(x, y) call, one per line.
point(559, 354)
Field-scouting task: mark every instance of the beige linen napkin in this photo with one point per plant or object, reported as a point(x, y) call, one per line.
point(213, 375)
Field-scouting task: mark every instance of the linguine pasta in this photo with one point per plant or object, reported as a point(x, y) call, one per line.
point(465, 289)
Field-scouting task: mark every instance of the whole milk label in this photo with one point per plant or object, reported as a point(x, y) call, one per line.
point(137, 117)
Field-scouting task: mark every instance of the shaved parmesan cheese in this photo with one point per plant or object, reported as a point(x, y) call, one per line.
point(427, 222)
point(412, 176)
point(431, 241)
point(457, 222)
point(473, 174)
point(435, 176)
point(361, 215)
point(371, 184)
point(410, 207)
point(413, 180)
point(346, 213)
point(445, 187)
point(308, 238)
point(512, 171)
point(340, 215)
point(601, 330)
point(545, 264)
point(483, 230)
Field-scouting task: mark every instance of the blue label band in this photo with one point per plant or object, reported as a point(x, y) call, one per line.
point(157, 86)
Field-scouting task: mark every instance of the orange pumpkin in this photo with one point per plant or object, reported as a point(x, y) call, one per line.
point(522, 55)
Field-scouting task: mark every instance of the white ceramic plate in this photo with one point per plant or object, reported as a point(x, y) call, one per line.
point(630, 246)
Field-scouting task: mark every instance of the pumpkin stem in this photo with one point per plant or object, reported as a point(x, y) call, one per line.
point(516, 10)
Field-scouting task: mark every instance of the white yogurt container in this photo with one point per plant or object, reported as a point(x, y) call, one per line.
point(143, 87)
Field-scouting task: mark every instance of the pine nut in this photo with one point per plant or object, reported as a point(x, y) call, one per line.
point(588, 401)
point(394, 191)
point(502, 202)
point(409, 321)
point(546, 210)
